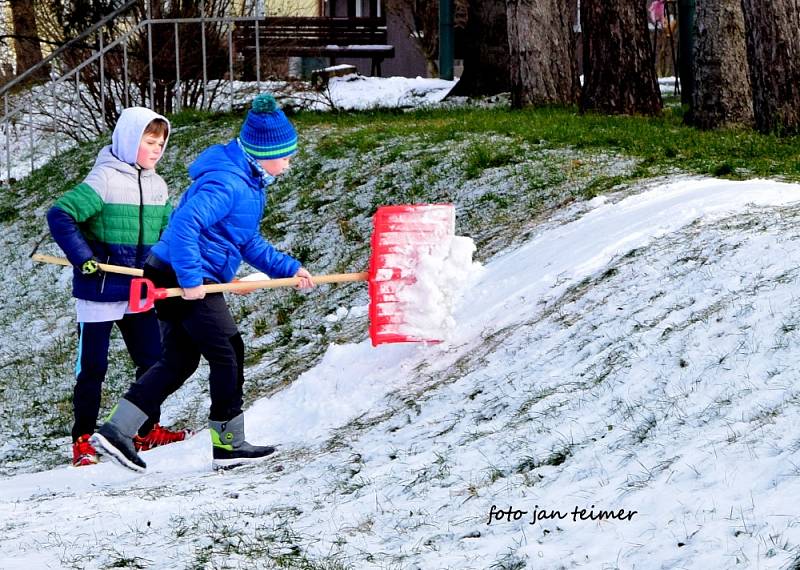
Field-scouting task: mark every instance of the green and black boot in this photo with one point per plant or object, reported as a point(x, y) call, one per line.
point(229, 447)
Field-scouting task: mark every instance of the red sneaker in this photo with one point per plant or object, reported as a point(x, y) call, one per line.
point(160, 435)
point(83, 453)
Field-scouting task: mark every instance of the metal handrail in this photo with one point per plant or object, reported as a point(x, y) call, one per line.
point(126, 36)
point(15, 113)
point(26, 104)
point(60, 51)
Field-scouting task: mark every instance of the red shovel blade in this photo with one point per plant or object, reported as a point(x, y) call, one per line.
point(140, 304)
point(401, 234)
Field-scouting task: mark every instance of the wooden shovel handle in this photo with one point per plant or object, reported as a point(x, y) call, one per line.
point(104, 266)
point(273, 283)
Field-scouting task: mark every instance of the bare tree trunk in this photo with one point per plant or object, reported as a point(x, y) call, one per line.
point(544, 69)
point(486, 67)
point(26, 36)
point(773, 49)
point(721, 83)
point(618, 70)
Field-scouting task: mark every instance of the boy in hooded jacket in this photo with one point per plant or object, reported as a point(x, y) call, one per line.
point(114, 216)
point(214, 227)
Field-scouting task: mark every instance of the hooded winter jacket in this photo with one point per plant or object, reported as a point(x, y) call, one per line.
point(115, 215)
point(216, 223)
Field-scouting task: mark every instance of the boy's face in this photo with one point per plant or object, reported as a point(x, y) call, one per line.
point(150, 148)
point(275, 166)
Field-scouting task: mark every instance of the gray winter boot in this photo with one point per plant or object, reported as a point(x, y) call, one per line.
point(115, 436)
point(229, 447)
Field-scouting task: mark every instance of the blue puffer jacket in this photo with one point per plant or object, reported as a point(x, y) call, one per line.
point(216, 223)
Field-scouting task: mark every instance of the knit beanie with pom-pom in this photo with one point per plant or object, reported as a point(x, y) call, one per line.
point(266, 132)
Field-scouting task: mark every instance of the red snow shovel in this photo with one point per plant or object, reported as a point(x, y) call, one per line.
point(401, 234)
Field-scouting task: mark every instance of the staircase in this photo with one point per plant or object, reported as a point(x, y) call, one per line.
point(165, 64)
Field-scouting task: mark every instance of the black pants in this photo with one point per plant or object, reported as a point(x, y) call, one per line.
point(189, 330)
point(143, 341)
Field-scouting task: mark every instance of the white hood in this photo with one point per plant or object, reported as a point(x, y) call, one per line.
point(129, 130)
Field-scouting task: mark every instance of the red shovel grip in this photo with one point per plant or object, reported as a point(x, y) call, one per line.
point(139, 303)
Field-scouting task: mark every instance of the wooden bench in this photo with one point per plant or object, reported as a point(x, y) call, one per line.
point(321, 77)
point(316, 37)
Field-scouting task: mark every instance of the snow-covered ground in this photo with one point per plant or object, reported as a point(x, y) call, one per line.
point(637, 357)
point(635, 360)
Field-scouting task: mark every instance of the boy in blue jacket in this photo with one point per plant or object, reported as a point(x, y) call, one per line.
point(214, 227)
point(114, 216)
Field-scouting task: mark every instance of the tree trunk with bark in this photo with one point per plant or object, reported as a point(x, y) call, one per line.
point(486, 66)
point(544, 69)
point(619, 76)
point(773, 49)
point(26, 36)
point(721, 83)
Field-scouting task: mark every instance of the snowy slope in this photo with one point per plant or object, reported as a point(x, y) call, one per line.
point(638, 354)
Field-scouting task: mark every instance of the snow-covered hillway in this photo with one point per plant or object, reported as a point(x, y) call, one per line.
point(638, 354)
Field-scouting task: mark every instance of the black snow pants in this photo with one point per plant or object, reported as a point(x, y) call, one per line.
point(189, 330)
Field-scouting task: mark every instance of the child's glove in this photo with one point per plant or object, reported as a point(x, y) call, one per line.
point(91, 267)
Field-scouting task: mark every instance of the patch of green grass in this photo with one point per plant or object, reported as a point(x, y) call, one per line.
point(253, 539)
point(254, 355)
point(190, 117)
point(261, 326)
point(331, 147)
point(8, 213)
point(664, 140)
point(491, 198)
point(484, 156)
point(558, 456)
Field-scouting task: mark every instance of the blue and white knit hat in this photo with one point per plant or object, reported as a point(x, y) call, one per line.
point(266, 132)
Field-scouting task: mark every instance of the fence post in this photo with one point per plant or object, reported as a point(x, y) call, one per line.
point(102, 82)
point(30, 123)
point(177, 71)
point(150, 54)
point(55, 110)
point(258, 48)
point(230, 64)
point(77, 97)
point(8, 142)
point(77, 92)
point(203, 45)
point(125, 83)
